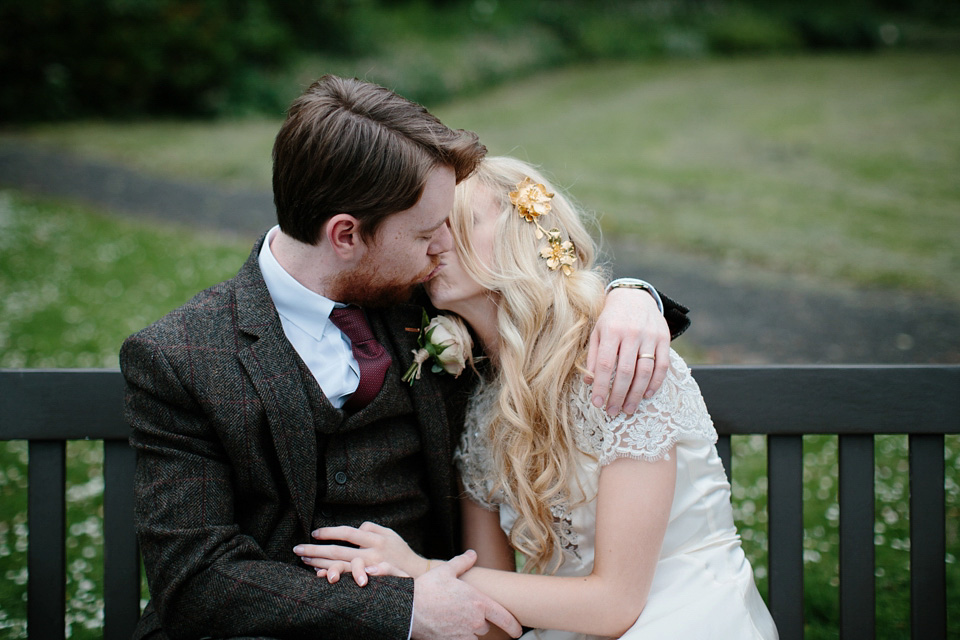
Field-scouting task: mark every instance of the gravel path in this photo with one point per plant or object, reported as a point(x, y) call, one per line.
point(739, 315)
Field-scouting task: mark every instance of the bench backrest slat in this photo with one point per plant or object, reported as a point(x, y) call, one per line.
point(121, 556)
point(785, 533)
point(62, 404)
point(46, 553)
point(857, 557)
point(832, 399)
point(928, 580)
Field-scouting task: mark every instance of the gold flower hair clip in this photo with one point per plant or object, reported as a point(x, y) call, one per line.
point(559, 254)
point(532, 200)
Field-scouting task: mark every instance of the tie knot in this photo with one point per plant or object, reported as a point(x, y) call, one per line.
point(353, 322)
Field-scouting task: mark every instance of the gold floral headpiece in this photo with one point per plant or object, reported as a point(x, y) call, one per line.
point(532, 200)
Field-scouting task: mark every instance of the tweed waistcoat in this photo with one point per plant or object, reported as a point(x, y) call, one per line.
point(370, 463)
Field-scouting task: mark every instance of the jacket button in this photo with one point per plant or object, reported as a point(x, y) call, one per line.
point(341, 477)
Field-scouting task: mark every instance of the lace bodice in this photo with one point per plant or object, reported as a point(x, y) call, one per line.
point(676, 412)
point(703, 585)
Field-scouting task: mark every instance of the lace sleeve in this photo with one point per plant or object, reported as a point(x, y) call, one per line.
point(473, 456)
point(675, 413)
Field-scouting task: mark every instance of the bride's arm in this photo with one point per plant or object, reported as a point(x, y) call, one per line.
point(482, 533)
point(633, 507)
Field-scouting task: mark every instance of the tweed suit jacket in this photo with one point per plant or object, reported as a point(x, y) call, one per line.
point(227, 464)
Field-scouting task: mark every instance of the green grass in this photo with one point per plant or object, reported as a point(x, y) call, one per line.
point(74, 284)
point(840, 168)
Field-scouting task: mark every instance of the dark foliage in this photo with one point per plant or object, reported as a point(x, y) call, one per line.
point(63, 59)
point(74, 58)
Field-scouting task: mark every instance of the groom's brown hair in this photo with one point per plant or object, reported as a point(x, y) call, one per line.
point(349, 146)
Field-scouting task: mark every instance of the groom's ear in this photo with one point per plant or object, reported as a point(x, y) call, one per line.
point(342, 231)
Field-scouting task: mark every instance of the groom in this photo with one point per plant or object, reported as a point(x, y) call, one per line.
point(271, 404)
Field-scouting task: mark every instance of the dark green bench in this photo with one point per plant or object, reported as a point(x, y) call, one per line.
point(50, 407)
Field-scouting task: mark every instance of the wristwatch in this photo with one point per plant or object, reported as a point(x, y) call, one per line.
point(634, 283)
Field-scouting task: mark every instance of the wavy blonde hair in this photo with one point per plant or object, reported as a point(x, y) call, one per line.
point(544, 323)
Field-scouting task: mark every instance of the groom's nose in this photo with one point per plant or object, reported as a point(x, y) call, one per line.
point(442, 241)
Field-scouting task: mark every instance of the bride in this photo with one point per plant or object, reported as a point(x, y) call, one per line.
point(622, 524)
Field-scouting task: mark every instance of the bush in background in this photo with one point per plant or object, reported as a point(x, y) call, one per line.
point(63, 59)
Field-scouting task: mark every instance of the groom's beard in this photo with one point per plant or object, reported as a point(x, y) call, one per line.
point(365, 286)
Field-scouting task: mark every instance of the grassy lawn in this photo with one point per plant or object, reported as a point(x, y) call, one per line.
point(840, 167)
point(74, 284)
point(836, 167)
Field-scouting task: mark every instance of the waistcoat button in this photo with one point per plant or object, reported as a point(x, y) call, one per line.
point(341, 477)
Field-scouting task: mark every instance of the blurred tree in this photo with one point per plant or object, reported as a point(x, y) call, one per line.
point(320, 25)
point(80, 58)
point(72, 58)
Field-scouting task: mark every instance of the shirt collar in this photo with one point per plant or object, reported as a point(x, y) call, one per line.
point(306, 309)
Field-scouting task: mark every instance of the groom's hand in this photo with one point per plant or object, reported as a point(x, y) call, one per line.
point(629, 326)
point(446, 607)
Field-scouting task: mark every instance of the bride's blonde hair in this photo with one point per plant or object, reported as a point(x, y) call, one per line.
point(544, 323)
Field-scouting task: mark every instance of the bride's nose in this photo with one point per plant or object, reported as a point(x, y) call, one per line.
point(442, 240)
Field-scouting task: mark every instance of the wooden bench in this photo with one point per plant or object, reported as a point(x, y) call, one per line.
point(50, 407)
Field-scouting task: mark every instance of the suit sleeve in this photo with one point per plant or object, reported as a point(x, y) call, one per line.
point(207, 576)
point(675, 315)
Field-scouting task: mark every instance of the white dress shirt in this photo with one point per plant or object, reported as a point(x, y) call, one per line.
point(305, 317)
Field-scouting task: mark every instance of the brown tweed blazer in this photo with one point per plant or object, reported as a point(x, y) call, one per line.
point(227, 461)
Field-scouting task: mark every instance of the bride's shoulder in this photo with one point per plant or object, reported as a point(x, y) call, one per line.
point(673, 414)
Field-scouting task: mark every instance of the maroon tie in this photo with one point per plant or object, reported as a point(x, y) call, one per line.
point(370, 354)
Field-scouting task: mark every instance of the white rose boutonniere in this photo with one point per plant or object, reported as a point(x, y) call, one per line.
point(446, 342)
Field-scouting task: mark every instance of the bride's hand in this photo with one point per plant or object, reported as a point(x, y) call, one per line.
point(374, 545)
point(336, 568)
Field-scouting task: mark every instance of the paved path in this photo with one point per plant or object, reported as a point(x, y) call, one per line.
point(739, 315)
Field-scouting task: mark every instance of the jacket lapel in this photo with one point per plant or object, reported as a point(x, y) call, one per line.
point(273, 367)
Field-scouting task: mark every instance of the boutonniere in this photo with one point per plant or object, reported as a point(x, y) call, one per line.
point(445, 342)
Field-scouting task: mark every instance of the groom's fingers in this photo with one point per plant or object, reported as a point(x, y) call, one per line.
point(462, 563)
point(498, 615)
point(493, 611)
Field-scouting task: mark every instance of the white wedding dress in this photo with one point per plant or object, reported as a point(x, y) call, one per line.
point(703, 585)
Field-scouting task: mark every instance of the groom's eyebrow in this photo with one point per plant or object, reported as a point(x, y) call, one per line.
point(436, 226)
